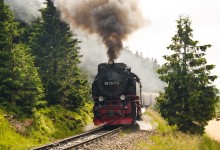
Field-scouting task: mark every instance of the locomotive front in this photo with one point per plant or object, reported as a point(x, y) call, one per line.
point(116, 93)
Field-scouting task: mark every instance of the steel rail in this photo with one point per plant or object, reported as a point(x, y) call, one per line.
point(63, 141)
point(94, 139)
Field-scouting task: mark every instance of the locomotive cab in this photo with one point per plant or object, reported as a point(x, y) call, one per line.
point(116, 93)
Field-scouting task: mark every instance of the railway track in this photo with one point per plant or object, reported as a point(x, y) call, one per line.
point(78, 141)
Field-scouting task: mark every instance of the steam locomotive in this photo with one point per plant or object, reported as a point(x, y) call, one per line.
point(117, 94)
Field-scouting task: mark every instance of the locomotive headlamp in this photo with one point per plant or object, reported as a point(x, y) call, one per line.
point(111, 62)
point(101, 98)
point(122, 97)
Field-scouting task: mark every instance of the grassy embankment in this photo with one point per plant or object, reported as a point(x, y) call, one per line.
point(46, 125)
point(218, 110)
point(167, 138)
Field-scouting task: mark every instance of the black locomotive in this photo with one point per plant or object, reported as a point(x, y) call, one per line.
point(116, 93)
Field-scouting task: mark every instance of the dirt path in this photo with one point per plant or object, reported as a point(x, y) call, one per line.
point(213, 129)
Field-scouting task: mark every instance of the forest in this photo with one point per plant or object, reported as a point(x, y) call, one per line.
point(45, 93)
point(45, 82)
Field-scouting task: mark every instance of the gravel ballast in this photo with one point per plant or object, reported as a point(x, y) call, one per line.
point(125, 140)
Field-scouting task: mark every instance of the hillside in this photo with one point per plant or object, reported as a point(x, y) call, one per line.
point(45, 125)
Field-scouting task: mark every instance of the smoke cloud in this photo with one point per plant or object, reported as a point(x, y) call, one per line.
point(26, 10)
point(112, 20)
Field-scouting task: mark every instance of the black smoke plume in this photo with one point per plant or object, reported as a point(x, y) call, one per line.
point(112, 20)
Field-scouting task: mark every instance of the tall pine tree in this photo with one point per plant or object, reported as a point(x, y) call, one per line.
point(27, 85)
point(189, 99)
point(57, 56)
point(7, 34)
point(20, 84)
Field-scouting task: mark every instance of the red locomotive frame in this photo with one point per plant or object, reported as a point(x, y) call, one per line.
point(114, 111)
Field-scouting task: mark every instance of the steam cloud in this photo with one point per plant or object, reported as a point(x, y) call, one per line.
point(112, 20)
point(94, 54)
point(26, 10)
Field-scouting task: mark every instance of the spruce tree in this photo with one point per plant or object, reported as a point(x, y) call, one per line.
point(57, 56)
point(20, 85)
point(7, 34)
point(189, 99)
point(27, 85)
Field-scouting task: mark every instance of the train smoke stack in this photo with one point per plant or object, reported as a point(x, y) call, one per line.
point(112, 20)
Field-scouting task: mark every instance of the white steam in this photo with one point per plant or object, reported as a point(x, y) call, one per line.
point(149, 78)
point(94, 53)
point(26, 10)
point(146, 123)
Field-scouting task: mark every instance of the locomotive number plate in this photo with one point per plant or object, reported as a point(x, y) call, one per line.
point(111, 83)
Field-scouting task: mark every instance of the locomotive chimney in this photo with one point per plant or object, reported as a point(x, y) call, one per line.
point(111, 62)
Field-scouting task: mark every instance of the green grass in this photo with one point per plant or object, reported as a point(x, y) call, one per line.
point(208, 144)
point(49, 124)
point(168, 138)
point(9, 139)
point(218, 110)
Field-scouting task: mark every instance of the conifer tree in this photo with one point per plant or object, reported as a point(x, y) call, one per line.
point(20, 84)
point(57, 56)
point(189, 99)
point(27, 85)
point(7, 34)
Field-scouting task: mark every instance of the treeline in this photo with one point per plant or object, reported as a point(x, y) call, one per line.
point(39, 63)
